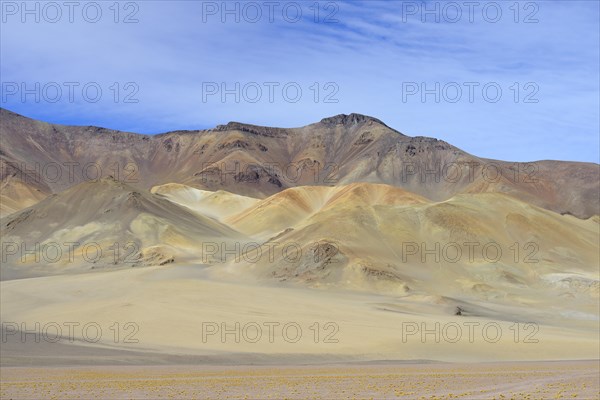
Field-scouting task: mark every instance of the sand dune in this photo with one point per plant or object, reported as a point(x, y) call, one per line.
point(293, 206)
point(172, 307)
point(360, 233)
point(19, 187)
point(16, 195)
point(218, 205)
point(103, 224)
point(365, 237)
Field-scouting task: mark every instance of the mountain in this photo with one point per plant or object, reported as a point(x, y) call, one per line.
point(103, 224)
point(377, 237)
point(362, 192)
point(39, 159)
point(345, 221)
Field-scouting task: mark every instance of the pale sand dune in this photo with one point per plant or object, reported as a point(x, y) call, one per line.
point(16, 195)
point(218, 205)
point(123, 225)
point(293, 206)
point(170, 304)
point(357, 237)
point(350, 237)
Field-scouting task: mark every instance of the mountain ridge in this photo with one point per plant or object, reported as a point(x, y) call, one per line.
point(258, 161)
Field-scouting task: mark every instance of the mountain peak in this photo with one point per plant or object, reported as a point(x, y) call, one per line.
point(349, 119)
point(253, 129)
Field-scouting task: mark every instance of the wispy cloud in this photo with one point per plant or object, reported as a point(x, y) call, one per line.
point(369, 55)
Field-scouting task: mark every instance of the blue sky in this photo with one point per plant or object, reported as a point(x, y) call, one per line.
point(538, 62)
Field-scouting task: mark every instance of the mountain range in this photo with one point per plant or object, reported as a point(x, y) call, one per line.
point(344, 205)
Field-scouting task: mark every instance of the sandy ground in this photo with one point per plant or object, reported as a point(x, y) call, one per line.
point(528, 380)
point(178, 310)
point(178, 331)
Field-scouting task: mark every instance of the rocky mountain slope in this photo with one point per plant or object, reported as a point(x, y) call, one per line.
point(39, 159)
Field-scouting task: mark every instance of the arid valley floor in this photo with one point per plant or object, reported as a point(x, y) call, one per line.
point(168, 357)
point(533, 380)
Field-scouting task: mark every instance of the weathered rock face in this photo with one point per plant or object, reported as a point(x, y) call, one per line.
point(38, 159)
point(349, 120)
